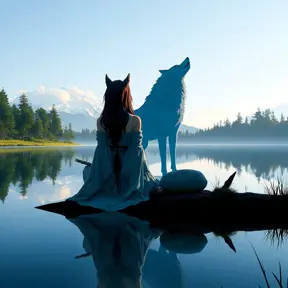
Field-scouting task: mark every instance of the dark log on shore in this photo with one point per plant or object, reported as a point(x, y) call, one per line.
point(220, 210)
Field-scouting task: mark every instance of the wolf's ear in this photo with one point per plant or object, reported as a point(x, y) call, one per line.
point(107, 80)
point(127, 80)
point(162, 71)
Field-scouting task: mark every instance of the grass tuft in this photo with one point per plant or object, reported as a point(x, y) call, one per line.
point(277, 236)
point(276, 188)
point(278, 279)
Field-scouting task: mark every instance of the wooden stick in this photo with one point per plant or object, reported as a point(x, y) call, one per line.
point(83, 162)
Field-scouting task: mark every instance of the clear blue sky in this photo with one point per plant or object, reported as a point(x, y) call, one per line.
point(238, 49)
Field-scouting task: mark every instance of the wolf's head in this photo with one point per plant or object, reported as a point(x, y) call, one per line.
point(177, 71)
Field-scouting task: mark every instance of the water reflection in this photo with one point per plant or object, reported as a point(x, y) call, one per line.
point(161, 263)
point(262, 161)
point(119, 245)
point(276, 237)
point(23, 166)
point(162, 269)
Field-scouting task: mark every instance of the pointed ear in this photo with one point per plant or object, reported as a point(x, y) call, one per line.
point(162, 71)
point(127, 80)
point(107, 80)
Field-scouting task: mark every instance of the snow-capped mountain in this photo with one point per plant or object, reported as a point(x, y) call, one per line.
point(190, 129)
point(75, 106)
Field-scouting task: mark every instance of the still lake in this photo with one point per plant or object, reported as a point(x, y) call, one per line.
point(38, 248)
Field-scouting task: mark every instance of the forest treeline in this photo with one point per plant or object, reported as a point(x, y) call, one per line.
point(263, 124)
point(22, 122)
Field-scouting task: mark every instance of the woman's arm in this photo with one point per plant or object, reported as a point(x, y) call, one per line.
point(99, 126)
point(137, 124)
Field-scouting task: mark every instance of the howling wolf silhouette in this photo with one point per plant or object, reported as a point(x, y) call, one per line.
point(163, 111)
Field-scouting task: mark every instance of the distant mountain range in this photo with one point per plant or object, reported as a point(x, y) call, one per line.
point(80, 108)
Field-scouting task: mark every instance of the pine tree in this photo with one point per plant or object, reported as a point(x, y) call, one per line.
point(70, 131)
point(65, 134)
point(239, 119)
point(45, 118)
point(16, 116)
point(38, 130)
point(26, 116)
point(55, 123)
point(227, 123)
point(6, 116)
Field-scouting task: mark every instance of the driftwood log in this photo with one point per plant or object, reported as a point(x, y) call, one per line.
point(222, 209)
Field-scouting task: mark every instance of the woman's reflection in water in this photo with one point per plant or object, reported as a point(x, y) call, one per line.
point(118, 244)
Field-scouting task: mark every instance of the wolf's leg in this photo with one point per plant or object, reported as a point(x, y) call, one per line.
point(172, 147)
point(162, 150)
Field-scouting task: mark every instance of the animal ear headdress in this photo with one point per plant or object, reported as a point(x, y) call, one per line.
point(126, 80)
point(107, 80)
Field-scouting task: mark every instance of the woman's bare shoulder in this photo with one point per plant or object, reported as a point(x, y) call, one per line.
point(136, 123)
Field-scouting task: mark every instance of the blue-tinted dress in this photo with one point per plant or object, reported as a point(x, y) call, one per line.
point(136, 181)
point(118, 244)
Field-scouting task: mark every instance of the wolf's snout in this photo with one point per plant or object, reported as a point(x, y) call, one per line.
point(186, 63)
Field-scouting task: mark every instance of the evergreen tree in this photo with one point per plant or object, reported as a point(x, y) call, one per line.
point(55, 123)
point(239, 119)
point(45, 119)
point(6, 116)
point(70, 131)
point(38, 130)
point(273, 118)
point(16, 116)
point(65, 133)
point(26, 116)
point(227, 123)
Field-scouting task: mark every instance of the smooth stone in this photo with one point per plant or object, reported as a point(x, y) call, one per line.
point(183, 243)
point(186, 179)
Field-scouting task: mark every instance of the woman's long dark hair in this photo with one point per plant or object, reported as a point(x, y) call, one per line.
point(115, 115)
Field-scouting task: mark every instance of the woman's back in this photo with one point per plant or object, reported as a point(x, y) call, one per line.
point(134, 124)
point(119, 176)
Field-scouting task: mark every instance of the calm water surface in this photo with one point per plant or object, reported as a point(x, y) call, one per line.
point(38, 249)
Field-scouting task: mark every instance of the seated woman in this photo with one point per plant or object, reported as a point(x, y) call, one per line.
point(119, 176)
